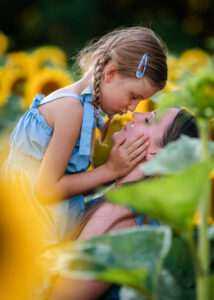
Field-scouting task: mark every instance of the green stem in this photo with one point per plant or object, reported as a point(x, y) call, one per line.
point(193, 250)
point(204, 212)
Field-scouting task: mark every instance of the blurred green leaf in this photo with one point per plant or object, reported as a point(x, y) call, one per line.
point(129, 294)
point(131, 257)
point(178, 272)
point(172, 199)
point(212, 286)
point(196, 93)
point(176, 157)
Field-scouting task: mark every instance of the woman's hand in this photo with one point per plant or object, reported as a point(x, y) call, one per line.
point(125, 155)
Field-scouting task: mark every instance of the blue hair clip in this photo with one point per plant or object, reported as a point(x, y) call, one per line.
point(143, 60)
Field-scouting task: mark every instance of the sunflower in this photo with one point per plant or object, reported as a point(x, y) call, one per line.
point(171, 86)
point(4, 86)
point(173, 68)
point(145, 106)
point(3, 43)
point(45, 82)
point(19, 60)
point(194, 60)
point(197, 219)
point(16, 81)
point(48, 54)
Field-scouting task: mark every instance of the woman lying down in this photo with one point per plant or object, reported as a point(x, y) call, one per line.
point(102, 217)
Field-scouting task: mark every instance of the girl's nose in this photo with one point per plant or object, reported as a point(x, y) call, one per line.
point(133, 106)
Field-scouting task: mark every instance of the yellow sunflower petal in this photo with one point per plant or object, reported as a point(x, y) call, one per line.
point(46, 54)
point(173, 68)
point(146, 106)
point(45, 82)
point(16, 81)
point(4, 86)
point(193, 60)
point(3, 43)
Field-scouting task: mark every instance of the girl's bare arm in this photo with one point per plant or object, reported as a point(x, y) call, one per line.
point(53, 184)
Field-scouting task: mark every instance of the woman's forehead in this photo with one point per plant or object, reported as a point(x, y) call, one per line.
point(167, 116)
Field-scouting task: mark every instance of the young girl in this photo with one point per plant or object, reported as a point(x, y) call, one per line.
point(52, 144)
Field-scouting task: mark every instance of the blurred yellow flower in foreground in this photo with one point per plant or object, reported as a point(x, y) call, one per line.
point(3, 43)
point(20, 273)
point(45, 82)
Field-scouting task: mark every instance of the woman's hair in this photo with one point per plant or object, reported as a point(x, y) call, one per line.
point(183, 123)
point(126, 47)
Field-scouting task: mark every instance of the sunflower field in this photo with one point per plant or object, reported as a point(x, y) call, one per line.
point(24, 74)
point(163, 263)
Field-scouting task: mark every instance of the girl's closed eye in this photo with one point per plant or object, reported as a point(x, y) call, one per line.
point(135, 97)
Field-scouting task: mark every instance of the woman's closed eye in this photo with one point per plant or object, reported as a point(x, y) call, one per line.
point(148, 121)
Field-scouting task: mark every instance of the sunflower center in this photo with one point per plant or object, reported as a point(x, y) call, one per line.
point(18, 86)
point(49, 87)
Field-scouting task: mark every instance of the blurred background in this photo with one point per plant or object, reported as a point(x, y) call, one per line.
point(70, 23)
point(38, 40)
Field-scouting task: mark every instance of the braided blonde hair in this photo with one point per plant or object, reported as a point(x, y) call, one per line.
point(125, 47)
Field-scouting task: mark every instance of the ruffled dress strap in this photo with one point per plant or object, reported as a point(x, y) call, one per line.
point(88, 122)
point(57, 96)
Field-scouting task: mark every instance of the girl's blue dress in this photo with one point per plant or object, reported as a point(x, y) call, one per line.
point(28, 144)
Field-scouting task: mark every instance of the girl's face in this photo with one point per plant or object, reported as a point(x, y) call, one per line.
point(119, 94)
point(144, 123)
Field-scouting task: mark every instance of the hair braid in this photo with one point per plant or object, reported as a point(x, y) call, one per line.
point(103, 58)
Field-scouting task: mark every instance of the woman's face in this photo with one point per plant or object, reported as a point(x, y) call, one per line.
point(145, 123)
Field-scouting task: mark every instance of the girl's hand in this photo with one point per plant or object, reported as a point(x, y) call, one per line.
point(125, 155)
